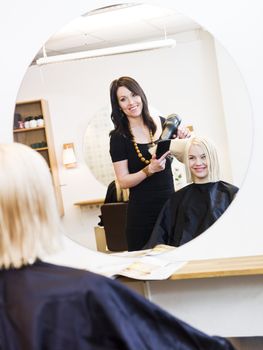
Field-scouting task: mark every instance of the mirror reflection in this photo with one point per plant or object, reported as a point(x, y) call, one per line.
point(196, 79)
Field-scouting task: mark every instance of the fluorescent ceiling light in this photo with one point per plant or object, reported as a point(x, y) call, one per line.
point(149, 45)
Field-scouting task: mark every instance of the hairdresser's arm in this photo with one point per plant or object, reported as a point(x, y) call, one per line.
point(127, 180)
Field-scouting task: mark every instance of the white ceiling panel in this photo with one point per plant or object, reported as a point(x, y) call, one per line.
point(76, 40)
point(133, 32)
point(117, 25)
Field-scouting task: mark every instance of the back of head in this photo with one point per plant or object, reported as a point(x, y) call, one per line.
point(29, 220)
point(210, 151)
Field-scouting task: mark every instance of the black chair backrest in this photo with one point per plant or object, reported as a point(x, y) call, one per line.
point(114, 221)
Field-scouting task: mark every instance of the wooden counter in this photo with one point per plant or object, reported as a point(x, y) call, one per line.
point(239, 266)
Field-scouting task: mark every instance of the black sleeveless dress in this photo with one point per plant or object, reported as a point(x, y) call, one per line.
point(147, 198)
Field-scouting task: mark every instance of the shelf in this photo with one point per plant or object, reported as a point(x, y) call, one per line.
point(40, 136)
point(98, 201)
point(29, 129)
point(40, 149)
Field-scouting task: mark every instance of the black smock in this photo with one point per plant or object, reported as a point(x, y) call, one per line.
point(49, 307)
point(147, 198)
point(190, 211)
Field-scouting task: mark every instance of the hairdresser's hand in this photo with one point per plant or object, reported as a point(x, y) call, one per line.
point(158, 165)
point(183, 132)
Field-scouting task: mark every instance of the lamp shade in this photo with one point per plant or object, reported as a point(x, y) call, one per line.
point(69, 156)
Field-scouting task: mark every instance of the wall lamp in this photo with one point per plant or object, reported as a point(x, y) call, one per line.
point(108, 51)
point(68, 156)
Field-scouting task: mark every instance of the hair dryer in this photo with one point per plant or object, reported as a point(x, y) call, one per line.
point(170, 126)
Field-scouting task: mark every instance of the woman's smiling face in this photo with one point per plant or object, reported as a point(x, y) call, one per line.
point(198, 164)
point(129, 102)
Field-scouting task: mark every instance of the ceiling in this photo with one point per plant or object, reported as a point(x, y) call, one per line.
point(117, 25)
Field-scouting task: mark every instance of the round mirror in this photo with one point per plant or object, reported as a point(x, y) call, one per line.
point(196, 79)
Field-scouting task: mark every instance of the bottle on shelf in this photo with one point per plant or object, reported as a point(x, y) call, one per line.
point(32, 122)
point(27, 123)
point(40, 121)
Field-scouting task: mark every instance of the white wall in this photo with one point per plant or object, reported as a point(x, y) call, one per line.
point(183, 80)
point(237, 110)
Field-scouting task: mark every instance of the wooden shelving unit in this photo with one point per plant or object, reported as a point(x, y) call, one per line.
point(42, 134)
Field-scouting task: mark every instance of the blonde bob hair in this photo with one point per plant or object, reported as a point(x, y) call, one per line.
point(29, 220)
point(211, 157)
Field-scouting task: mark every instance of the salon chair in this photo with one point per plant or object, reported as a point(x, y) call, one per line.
point(114, 221)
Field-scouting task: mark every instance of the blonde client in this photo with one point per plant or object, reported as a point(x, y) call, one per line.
point(195, 207)
point(46, 306)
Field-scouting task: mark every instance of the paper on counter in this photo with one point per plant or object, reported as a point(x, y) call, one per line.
point(149, 268)
point(150, 264)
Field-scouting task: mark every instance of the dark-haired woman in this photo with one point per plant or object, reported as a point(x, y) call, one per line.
point(149, 179)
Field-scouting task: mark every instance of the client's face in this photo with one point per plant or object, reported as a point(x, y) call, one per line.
point(198, 164)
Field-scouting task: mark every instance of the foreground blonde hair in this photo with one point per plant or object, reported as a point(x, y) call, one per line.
point(211, 156)
point(29, 220)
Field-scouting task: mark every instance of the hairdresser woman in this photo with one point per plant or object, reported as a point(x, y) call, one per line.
point(149, 179)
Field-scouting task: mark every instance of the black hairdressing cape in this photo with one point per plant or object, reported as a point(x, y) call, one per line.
point(49, 307)
point(190, 211)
